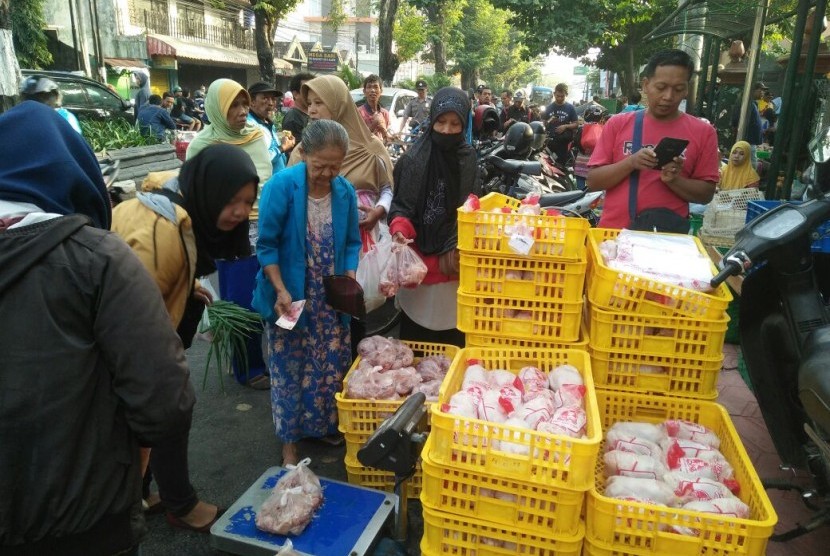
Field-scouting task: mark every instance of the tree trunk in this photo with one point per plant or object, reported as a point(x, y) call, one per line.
point(439, 53)
point(469, 79)
point(388, 60)
point(628, 77)
point(9, 69)
point(264, 46)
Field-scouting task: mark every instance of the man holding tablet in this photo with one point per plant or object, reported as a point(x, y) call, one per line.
point(642, 193)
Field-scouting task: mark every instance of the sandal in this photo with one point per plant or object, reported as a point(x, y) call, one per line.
point(180, 524)
point(261, 382)
point(332, 439)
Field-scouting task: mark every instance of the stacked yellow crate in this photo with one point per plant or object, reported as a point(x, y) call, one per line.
point(650, 337)
point(512, 299)
point(656, 352)
point(359, 418)
point(493, 489)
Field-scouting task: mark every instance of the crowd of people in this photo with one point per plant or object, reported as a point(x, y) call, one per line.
point(309, 199)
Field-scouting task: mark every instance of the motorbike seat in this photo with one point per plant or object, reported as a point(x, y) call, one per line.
point(814, 378)
point(559, 199)
point(513, 167)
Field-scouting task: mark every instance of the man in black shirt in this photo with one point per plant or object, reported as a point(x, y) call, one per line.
point(516, 112)
point(296, 118)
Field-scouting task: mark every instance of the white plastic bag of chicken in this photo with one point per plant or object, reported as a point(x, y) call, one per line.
point(291, 505)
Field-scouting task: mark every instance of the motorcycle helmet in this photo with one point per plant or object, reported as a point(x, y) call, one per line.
point(37, 85)
point(539, 135)
point(518, 140)
point(485, 120)
point(594, 114)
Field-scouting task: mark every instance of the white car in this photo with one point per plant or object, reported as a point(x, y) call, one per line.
point(393, 99)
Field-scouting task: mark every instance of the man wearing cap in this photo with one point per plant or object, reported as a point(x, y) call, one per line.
point(515, 112)
point(418, 107)
point(264, 99)
point(753, 134)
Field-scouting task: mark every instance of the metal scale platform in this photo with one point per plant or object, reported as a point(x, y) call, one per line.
point(347, 524)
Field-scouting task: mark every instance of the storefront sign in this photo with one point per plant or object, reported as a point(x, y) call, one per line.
point(164, 62)
point(322, 61)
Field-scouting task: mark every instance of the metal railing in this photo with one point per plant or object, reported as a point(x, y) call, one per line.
point(232, 35)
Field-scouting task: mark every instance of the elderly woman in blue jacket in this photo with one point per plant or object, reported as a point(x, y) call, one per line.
point(308, 229)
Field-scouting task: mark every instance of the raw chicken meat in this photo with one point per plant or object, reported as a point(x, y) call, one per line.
point(564, 374)
point(387, 353)
point(640, 490)
point(292, 503)
point(688, 489)
point(649, 431)
point(691, 431)
point(429, 388)
point(627, 464)
point(433, 367)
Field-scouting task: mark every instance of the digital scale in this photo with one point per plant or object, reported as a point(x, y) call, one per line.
point(347, 524)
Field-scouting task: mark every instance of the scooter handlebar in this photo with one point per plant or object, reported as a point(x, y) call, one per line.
point(730, 268)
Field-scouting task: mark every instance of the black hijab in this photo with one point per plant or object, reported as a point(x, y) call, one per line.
point(43, 161)
point(435, 176)
point(208, 181)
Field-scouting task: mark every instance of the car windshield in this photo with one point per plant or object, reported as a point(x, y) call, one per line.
point(360, 100)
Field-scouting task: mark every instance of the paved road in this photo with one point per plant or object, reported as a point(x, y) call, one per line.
point(232, 443)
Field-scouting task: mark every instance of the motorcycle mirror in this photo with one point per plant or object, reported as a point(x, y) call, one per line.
point(819, 146)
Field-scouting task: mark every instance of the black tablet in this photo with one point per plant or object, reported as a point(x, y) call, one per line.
point(667, 149)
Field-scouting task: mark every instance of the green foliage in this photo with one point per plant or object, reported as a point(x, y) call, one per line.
point(434, 82)
point(29, 40)
point(116, 133)
point(336, 16)
point(510, 70)
point(410, 32)
point(351, 78)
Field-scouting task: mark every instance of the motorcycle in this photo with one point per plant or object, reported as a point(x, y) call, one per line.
point(785, 333)
point(513, 178)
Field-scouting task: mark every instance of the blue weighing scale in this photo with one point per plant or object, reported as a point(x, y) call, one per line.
point(347, 524)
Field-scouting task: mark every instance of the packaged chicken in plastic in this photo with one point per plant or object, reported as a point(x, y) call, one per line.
point(292, 503)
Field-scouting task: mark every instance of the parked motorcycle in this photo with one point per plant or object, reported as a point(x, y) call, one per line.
point(513, 178)
point(785, 333)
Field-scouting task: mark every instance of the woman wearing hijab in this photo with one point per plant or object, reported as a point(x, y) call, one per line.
point(142, 96)
point(177, 231)
point(78, 394)
point(433, 178)
point(367, 165)
point(739, 172)
point(308, 230)
point(226, 105)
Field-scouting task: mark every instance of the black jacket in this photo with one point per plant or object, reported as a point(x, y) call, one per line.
point(90, 368)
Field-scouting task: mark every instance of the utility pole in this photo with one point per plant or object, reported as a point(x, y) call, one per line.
point(357, 50)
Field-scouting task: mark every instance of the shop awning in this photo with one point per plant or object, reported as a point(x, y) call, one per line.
point(209, 55)
point(126, 63)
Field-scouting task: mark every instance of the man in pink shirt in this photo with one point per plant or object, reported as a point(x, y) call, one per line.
point(688, 178)
point(375, 115)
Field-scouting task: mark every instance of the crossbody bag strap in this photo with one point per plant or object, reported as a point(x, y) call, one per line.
point(634, 177)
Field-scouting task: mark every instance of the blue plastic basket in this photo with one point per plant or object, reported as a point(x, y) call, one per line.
point(821, 235)
point(236, 283)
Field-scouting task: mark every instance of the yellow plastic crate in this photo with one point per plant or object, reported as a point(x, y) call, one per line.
point(620, 291)
point(552, 460)
point(488, 231)
point(446, 533)
point(657, 335)
point(364, 416)
point(623, 525)
point(682, 376)
point(381, 480)
point(499, 500)
point(551, 321)
point(475, 340)
point(521, 277)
